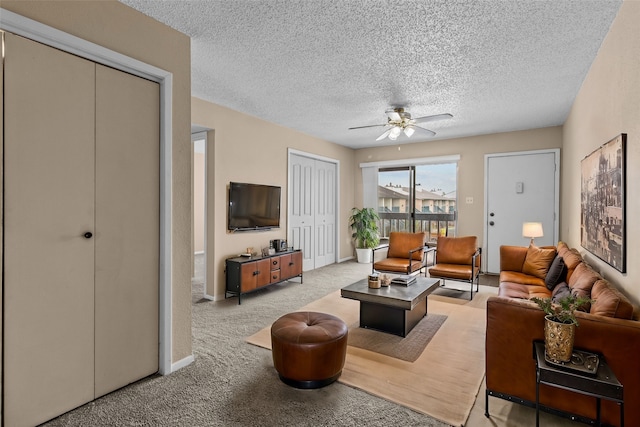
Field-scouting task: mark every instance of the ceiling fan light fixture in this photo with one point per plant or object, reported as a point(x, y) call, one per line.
point(409, 131)
point(395, 133)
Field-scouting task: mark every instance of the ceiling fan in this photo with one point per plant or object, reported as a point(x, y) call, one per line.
point(399, 121)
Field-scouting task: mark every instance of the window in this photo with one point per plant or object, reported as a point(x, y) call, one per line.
point(418, 198)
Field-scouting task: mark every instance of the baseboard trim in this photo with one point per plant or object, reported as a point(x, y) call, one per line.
point(182, 363)
point(349, 258)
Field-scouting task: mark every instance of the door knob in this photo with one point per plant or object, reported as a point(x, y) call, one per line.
point(491, 222)
point(491, 214)
point(88, 235)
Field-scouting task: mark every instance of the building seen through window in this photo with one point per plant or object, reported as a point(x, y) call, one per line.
point(418, 198)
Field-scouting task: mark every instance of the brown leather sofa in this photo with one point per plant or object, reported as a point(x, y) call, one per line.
point(610, 328)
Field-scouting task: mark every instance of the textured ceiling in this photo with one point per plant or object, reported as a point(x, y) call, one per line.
point(322, 66)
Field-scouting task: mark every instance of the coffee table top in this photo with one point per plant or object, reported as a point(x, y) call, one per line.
point(405, 297)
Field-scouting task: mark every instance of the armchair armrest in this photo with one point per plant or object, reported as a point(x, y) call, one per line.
point(476, 262)
point(380, 247)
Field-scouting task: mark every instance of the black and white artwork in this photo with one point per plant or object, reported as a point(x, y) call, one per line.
point(603, 203)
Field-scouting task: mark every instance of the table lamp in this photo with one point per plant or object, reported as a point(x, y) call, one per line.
point(532, 230)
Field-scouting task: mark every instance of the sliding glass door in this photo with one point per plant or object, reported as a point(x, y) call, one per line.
point(418, 198)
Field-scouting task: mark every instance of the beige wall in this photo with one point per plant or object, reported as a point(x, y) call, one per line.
point(247, 149)
point(607, 105)
point(198, 202)
point(119, 28)
point(470, 167)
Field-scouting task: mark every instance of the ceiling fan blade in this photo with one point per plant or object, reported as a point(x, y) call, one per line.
point(369, 126)
point(423, 130)
point(394, 116)
point(384, 135)
point(432, 118)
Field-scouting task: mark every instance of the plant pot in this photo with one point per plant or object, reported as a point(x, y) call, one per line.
point(364, 255)
point(558, 340)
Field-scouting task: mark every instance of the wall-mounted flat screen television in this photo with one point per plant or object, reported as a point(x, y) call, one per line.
point(253, 207)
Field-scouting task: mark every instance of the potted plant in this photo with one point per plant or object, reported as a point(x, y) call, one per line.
point(560, 325)
point(364, 223)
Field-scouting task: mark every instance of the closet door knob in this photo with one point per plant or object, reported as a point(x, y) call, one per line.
point(88, 235)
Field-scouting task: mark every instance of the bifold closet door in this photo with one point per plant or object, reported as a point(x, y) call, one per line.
point(48, 208)
point(81, 231)
point(127, 226)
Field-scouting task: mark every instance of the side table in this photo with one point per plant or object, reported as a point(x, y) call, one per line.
point(603, 385)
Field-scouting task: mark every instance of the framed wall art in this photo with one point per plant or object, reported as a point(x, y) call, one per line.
point(603, 227)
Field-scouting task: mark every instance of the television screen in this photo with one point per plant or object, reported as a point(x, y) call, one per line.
point(253, 207)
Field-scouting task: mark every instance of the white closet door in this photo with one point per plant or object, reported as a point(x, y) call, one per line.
point(301, 208)
point(325, 213)
point(81, 231)
point(49, 206)
point(127, 224)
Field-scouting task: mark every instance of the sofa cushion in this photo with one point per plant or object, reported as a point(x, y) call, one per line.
point(571, 259)
point(582, 281)
point(538, 261)
point(522, 291)
point(561, 290)
point(517, 277)
point(609, 301)
point(562, 248)
point(556, 274)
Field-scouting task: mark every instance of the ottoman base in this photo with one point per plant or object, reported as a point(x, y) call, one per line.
point(308, 385)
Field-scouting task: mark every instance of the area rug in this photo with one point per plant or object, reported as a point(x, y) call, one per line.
point(442, 382)
point(408, 348)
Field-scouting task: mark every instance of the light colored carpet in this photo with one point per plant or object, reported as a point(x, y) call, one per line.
point(442, 382)
point(234, 384)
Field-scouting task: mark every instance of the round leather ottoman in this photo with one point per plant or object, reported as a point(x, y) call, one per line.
point(309, 348)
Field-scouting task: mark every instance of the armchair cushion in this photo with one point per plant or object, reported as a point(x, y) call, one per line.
point(401, 243)
point(456, 250)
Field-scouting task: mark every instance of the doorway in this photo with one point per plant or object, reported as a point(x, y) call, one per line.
point(199, 205)
point(519, 187)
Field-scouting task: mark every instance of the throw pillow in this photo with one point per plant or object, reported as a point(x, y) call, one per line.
point(557, 273)
point(560, 291)
point(538, 260)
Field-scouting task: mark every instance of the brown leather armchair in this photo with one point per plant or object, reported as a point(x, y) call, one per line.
point(406, 253)
point(457, 258)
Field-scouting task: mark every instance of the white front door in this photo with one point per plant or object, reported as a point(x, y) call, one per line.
point(520, 187)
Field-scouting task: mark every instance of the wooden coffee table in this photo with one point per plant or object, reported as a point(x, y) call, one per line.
point(394, 309)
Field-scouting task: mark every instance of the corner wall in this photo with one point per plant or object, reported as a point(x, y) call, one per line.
point(248, 149)
point(607, 105)
point(118, 27)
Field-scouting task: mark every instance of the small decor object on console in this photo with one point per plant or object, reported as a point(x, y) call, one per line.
point(560, 325)
point(403, 280)
point(385, 280)
point(374, 281)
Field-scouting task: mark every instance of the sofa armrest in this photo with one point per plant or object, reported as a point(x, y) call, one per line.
point(512, 258)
